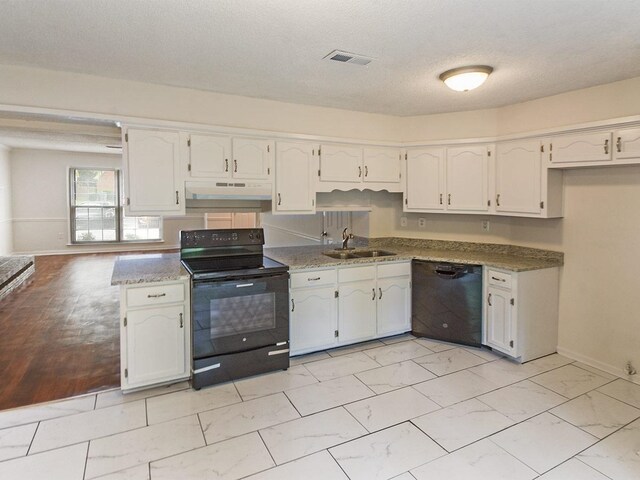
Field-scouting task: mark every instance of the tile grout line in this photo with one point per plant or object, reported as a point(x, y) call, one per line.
point(595, 469)
point(86, 461)
point(32, 439)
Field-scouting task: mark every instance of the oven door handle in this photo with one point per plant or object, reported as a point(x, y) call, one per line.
point(242, 285)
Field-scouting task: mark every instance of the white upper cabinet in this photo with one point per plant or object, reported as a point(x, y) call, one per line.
point(153, 185)
point(221, 157)
point(381, 165)
point(251, 158)
point(346, 167)
point(424, 180)
point(627, 144)
point(467, 178)
point(209, 156)
point(581, 148)
point(340, 163)
point(524, 185)
point(294, 187)
point(519, 177)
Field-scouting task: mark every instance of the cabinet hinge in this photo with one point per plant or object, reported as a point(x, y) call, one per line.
point(319, 151)
point(126, 137)
point(268, 148)
point(268, 171)
point(126, 373)
point(189, 167)
point(513, 301)
point(335, 333)
point(541, 148)
point(551, 147)
point(551, 157)
point(336, 294)
point(125, 321)
point(128, 201)
point(313, 202)
point(318, 172)
point(405, 156)
point(406, 201)
point(488, 153)
point(488, 203)
point(541, 205)
point(188, 142)
point(511, 343)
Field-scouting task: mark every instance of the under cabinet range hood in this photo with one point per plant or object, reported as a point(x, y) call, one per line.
point(234, 195)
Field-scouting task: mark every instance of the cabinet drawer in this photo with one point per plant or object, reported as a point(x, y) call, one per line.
point(155, 295)
point(499, 279)
point(394, 270)
point(357, 273)
point(313, 278)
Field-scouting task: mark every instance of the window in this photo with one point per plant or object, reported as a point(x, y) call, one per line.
point(96, 213)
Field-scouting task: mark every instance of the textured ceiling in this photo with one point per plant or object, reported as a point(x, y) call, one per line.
point(274, 49)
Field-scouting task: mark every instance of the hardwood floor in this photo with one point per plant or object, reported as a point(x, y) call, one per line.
point(59, 331)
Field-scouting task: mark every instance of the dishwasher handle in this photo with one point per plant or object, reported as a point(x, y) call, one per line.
point(450, 272)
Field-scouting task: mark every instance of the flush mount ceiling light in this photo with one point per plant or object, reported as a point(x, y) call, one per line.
point(464, 79)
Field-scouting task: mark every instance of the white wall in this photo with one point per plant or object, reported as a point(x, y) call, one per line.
point(40, 203)
point(6, 227)
point(70, 91)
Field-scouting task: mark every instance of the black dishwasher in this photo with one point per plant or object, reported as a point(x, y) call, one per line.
point(447, 302)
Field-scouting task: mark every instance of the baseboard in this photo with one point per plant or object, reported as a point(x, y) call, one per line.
point(605, 367)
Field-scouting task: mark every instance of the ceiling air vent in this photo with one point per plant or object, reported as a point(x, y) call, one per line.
point(346, 57)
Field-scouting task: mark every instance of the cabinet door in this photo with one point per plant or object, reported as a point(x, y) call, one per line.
point(425, 180)
point(501, 328)
point(209, 156)
point(518, 177)
point(582, 147)
point(313, 319)
point(627, 143)
point(381, 165)
point(341, 163)
point(152, 178)
point(295, 179)
point(394, 305)
point(251, 158)
point(155, 339)
point(357, 311)
point(467, 178)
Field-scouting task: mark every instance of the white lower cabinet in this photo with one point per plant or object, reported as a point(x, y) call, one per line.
point(154, 334)
point(521, 312)
point(349, 304)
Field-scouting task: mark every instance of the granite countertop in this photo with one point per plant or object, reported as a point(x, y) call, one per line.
point(161, 267)
point(146, 268)
point(508, 257)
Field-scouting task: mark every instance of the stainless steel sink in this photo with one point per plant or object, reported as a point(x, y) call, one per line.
point(340, 255)
point(373, 253)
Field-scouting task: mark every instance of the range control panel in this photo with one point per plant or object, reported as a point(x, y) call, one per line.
point(221, 238)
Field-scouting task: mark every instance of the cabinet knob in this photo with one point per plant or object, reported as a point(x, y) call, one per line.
point(498, 200)
point(226, 164)
point(606, 146)
point(374, 294)
point(181, 321)
point(279, 199)
point(366, 170)
point(489, 300)
point(235, 165)
point(449, 199)
point(293, 305)
point(177, 198)
point(619, 144)
point(380, 297)
point(359, 172)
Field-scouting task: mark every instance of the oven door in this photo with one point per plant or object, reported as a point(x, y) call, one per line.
point(237, 315)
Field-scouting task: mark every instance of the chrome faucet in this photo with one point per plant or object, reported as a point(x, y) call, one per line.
point(345, 239)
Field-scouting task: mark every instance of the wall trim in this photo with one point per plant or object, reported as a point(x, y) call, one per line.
point(81, 250)
point(605, 367)
point(33, 220)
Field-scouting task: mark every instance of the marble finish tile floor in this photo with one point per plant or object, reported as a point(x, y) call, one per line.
point(399, 408)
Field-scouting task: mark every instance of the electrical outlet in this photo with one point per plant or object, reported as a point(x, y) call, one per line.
point(403, 221)
point(60, 236)
point(422, 223)
point(485, 225)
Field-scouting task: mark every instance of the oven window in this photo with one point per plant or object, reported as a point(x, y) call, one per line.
point(244, 314)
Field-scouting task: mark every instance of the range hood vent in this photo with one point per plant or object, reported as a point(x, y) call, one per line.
point(231, 196)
